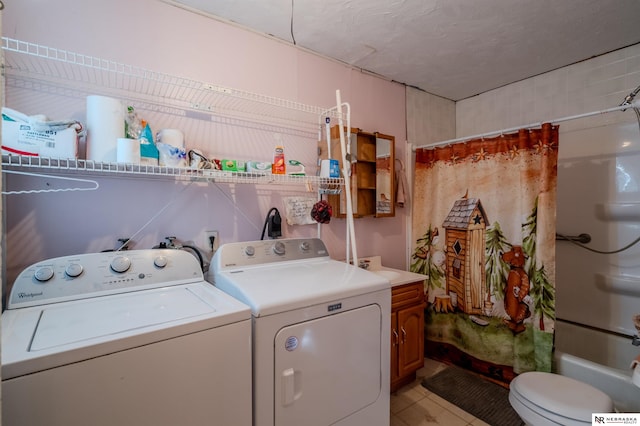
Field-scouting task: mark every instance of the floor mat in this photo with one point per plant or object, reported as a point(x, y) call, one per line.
point(487, 401)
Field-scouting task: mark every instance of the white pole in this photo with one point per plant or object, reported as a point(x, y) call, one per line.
point(346, 169)
point(328, 131)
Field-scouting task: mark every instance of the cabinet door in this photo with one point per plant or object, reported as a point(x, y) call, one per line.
point(395, 342)
point(411, 333)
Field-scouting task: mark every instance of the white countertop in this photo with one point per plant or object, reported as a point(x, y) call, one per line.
point(397, 276)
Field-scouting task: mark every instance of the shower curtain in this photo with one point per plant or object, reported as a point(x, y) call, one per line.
point(484, 233)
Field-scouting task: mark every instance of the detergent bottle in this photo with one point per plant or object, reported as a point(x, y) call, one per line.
point(279, 166)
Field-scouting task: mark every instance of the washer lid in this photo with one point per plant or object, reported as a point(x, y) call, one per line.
point(65, 324)
point(284, 286)
point(42, 337)
point(562, 395)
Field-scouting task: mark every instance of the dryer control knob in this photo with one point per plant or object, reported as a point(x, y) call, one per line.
point(73, 270)
point(305, 246)
point(279, 248)
point(44, 273)
point(160, 261)
point(120, 264)
point(249, 251)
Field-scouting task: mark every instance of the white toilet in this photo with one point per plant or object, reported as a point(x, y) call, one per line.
point(542, 399)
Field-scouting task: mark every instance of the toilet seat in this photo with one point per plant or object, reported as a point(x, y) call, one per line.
point(556, 398)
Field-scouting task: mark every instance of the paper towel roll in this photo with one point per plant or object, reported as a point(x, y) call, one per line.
point(128, 151)
point(105, 124)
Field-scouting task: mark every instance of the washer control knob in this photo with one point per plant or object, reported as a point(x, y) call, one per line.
point(120, 264)
point(305, 246)
point(44, 273)
point(73, 270)
point(279, 248)
point(160, 261)
point(249, 250)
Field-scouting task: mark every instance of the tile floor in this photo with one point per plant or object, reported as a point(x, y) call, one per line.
point(413, 405)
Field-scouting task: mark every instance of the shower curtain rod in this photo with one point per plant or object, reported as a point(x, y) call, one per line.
point(530, 126)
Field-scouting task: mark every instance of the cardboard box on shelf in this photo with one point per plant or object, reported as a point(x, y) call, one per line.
point(233, 165)
point(20, 138)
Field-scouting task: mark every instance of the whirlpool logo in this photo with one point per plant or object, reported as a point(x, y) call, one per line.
point(28, 295)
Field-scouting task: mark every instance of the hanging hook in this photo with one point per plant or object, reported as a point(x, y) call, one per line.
point(41, 191)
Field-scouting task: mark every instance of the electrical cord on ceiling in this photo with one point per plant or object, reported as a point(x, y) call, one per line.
point(274, 223)
point(291, 27)
point(572, 241)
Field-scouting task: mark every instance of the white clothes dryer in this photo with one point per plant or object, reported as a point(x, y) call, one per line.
point(321, 332)
point(124, 338)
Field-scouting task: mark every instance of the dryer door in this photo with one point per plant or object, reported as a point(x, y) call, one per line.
point(328, 368)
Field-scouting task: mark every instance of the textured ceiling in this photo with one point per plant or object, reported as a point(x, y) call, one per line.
point(451, 48)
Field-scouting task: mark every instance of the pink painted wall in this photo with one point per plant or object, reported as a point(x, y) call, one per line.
point(165, 38)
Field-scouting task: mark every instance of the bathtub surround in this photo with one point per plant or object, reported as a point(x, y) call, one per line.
point(612, 381)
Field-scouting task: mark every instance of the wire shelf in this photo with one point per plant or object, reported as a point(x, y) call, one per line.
point(69, 71)
point(95, 168)
point(57, 71)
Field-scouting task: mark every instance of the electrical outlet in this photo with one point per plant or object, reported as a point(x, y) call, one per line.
point(207, 240)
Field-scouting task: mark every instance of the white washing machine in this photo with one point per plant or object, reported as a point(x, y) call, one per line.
point(124, 338)
point(320, 332)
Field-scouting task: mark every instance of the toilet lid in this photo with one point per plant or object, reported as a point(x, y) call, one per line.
point(562, 395)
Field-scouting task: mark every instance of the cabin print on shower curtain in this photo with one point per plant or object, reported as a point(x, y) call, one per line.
point(484, 233)
point(465, 233)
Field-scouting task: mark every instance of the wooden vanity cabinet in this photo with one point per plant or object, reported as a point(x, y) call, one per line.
point(407, 333)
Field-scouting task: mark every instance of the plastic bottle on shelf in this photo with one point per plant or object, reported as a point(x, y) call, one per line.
point(132, 124)
point(279, 166)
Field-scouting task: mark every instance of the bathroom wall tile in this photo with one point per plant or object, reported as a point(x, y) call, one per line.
point(615, 69)
point(594, 76)
point(608, 86)
point(632, 65)
point(632, 50)
point(607, 58)
point(632, 80)
point(592, 85)
point(430, 118)
point(576, 78)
